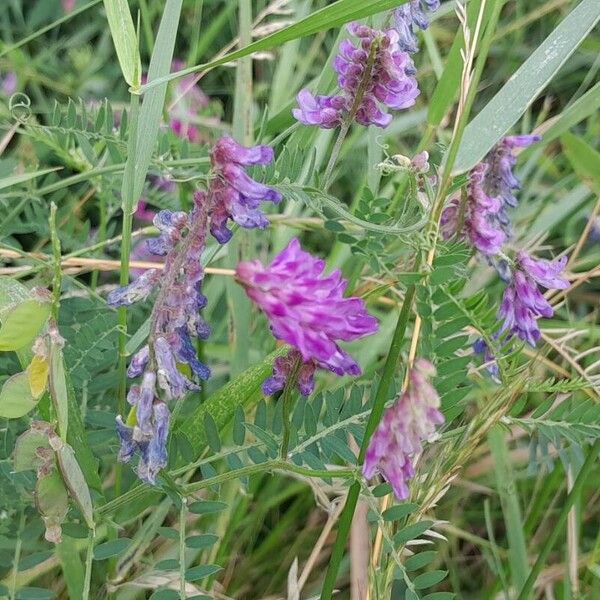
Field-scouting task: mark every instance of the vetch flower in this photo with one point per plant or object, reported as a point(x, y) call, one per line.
point(411, 17)
point(176, 319)
point(398, 439)
point(308, 311)
point(523, 303)
point(479, 219)
point(234, 194)
point(373, 74)
point(500, 181)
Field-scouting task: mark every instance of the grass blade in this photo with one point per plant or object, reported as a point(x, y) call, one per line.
point(509, 104)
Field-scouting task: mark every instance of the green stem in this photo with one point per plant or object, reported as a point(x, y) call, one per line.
point(57, 277)
point(581, 480)
point(272, 465)
point(286, 399)
point(182, 522)
point(89, 556)
point(17, 557)
point(129, 201)
point(378, 407)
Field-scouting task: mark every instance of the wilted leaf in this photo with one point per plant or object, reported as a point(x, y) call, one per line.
point(25, 455)
point(53, 503)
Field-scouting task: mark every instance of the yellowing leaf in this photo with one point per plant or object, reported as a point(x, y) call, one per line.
point(37, 372)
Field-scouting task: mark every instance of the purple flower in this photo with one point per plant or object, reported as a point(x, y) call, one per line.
point(233, 193)
point(480, 224)
point(399, 437)
point(324, 111)
point(154, 452)
point(523, 303)
point(373, 73)
point(138, 290)
point(481, 347)
point(8, 83)
point(170, 224)
point(500, 182)
point(170, 379)
point(308, 311)
point(409, 18)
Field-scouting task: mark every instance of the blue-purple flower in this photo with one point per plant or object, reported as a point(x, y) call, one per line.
point(372, 75)
point(398, 439)
point(523, 303)
point(479, 219)
point(500, 181)
point(308, 311)
point(176, 319)
point(409, 18)
point(234, 194)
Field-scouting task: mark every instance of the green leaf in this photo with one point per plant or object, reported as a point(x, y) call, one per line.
point(25, 456)
point(15, 397)
point(418, 561)
point(154, 100)
point(196, 573)
point(125, 40)
point(165, 595)
point(170, 564)
point(334, 15)
point(34, 593)
point(58, 389)
point(429, 579)
point(201, 541)
point(395, 513)
point(73, 477)
point(22, 324)
point(521, 90)
point(52, 501)
point(212, 433)
point(440, 596)
point(112, 548)
point(411, 532)
point(221, 406)
point(203, 507)
point(23, 177)
point(584, 159)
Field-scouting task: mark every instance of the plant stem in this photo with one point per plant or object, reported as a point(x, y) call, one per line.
point(89, 555)
point(568, 503)
point(286, 399)
point(374, 418)
point(17, 557)
point(128, 204)
point(57, 278)
point(182, 523)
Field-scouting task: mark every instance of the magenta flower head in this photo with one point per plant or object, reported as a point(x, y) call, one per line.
point(234, 194)
point(411, 17)
point(399, 437)
point(308, 311)
point(523, 303)
point(372, 74)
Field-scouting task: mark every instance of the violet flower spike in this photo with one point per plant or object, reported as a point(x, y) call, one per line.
point(234, 194)
point(523, 304)
point(398, 439)
point(480, 225)
point(500, 182)
point(411, 17)
point(308, 311)
point(373, 74)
